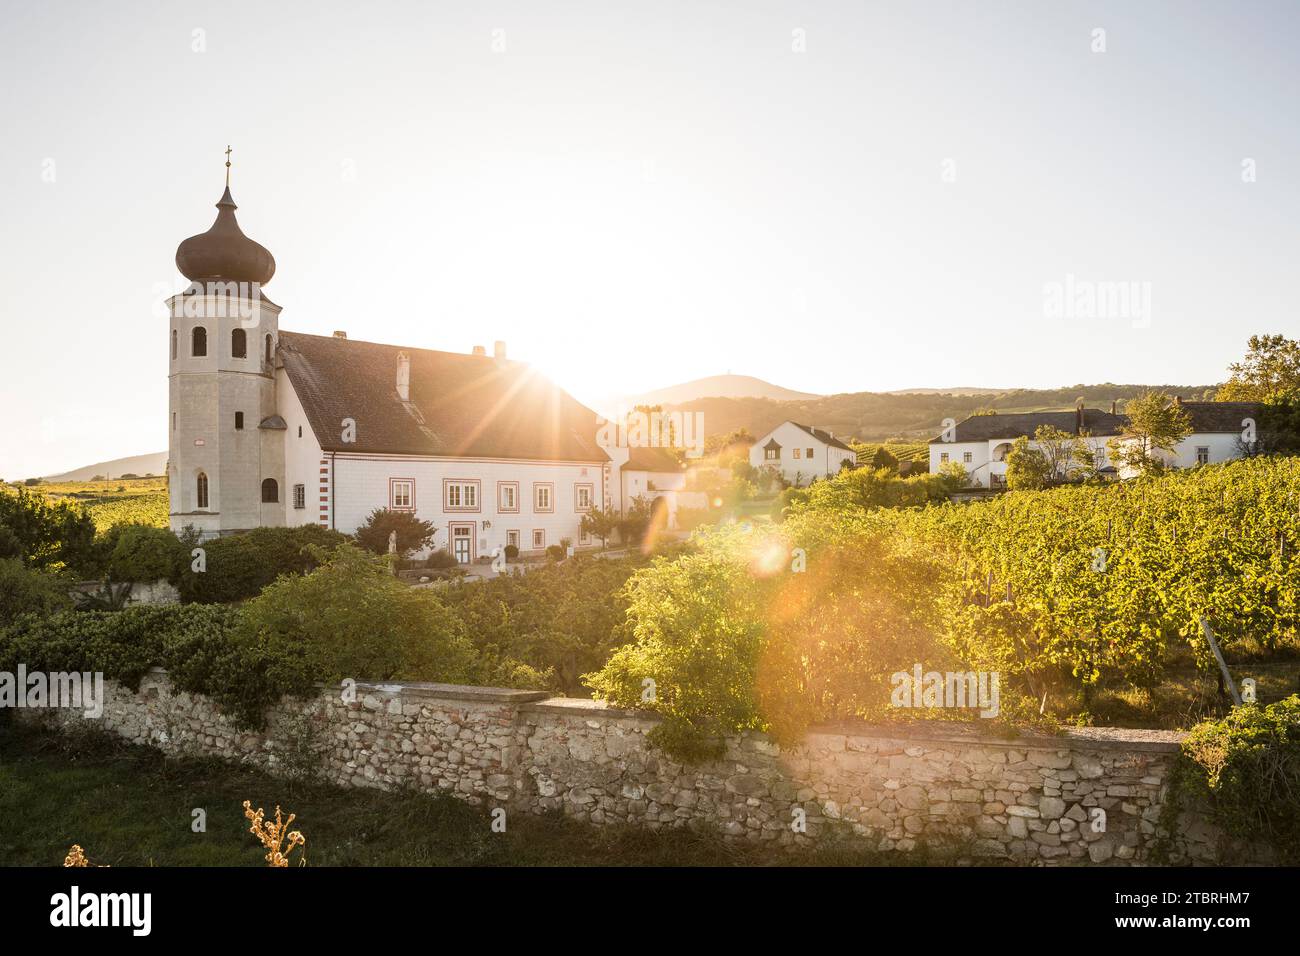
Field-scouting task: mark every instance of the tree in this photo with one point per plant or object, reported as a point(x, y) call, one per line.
point(49, 536)
point(1064, 452)
point(412, 533)
point(1154, 424)
point(1028, 468)
point(1270, 372)
point(883, 459)
point(600, 523)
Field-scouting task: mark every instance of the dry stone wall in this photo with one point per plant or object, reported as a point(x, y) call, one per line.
point(1087, 797)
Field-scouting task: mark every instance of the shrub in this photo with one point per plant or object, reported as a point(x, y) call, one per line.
point(440, 560)
point(412, 533)
point(512, 552)
point(555, 552)
point(24, 590)
point(351, 618)
point(1247, 768)
point(240, 566)
point(697, 629)
point(49, 536)
point(144, 553)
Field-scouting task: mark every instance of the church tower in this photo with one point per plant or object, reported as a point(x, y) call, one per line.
point(225, 465)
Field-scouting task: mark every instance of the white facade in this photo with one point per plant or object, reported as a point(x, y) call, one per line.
point(798, 456)
point(985, 461)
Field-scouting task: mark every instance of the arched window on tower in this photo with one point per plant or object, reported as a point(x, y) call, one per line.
point(239, 344)
point(270, 491)
point(201, 491)
point(173, 344)
point(269, 349)
point(199, 341)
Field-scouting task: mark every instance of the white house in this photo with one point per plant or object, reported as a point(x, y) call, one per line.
point(981, 443)
point(801, 454)
point(272, 428)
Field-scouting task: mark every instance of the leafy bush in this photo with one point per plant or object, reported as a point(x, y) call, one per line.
point(144, 553)
point(412, 533)
point(351, 618)
point(440, 560)
point(48, 536)
point(512, 552)
point(1247, 768)
point(241, 565)
point(24, 590)
point(555, 552)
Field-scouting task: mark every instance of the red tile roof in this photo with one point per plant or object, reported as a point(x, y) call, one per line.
point(461, 406)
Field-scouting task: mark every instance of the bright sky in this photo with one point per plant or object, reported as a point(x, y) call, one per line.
point(634, 194)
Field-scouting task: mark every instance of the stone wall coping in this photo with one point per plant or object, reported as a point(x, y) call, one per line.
point(540, 702)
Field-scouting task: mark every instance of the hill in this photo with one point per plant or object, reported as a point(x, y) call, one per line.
point(140, 465)
point(877, 416)
point(724, 386)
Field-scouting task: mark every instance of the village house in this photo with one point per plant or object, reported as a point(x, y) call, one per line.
point(981, 443)
point(269, 427)
point(801, 454)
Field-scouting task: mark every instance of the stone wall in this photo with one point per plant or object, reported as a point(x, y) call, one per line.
point(938, 788)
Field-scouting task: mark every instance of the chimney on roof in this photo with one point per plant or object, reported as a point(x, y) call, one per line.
point(1112, 406)
point(1178, 399)
point(499, 349)
point(479, 350)
point(338, 334)
point(403, 376)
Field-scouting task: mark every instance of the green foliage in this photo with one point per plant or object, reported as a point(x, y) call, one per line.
point(1027, 468)
point(24, 590)
point(1269, 372)
point(560, 620)
point(412, 533)
point(48, 535)
point(144, 553)
point(696, 627)
point(864, 488)
point(601, 524)
point(240, 566)
point(1153, 424)
point(350, 618)
point(1246, 767)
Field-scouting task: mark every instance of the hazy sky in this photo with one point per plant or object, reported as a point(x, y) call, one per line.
point(637, 194)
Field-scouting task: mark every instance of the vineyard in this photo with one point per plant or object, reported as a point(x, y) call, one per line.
point(115, 501)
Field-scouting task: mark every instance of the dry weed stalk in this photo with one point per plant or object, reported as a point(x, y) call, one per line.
point(273, 835)
point(77, 857)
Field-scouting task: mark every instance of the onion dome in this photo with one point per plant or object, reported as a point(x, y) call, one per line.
point(224, 253)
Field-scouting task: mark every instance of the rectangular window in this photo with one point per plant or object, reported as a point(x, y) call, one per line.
point(300, 496)
point(512, 538)
point(809, 455)
point(539, 539)
point(771, 454)
point(401, 494)
point(582, 497)
point(508, 496)
point(239, 421)
point(543, 496)
point(966, 457)
point(460, 495)
point(1202, 455)
point(943, 458)
point(796, 454)
point(584, 537)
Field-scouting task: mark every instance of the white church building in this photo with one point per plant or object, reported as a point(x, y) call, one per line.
point(269, 427)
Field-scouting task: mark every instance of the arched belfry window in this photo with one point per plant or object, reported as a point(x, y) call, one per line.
point(199, 341)
point(270, 491)
point(239, 344)
point(201, 491)
point(269, 349)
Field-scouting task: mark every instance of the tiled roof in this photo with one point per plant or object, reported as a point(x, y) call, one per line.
point(1206, 418)
point(990, 427)
point(652, 459)
point(823, 436)
point(461, 406)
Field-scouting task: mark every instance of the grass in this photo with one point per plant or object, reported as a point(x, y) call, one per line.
point(129, 806)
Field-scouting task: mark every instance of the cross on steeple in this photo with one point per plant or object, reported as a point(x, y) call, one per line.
point(227, 167)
